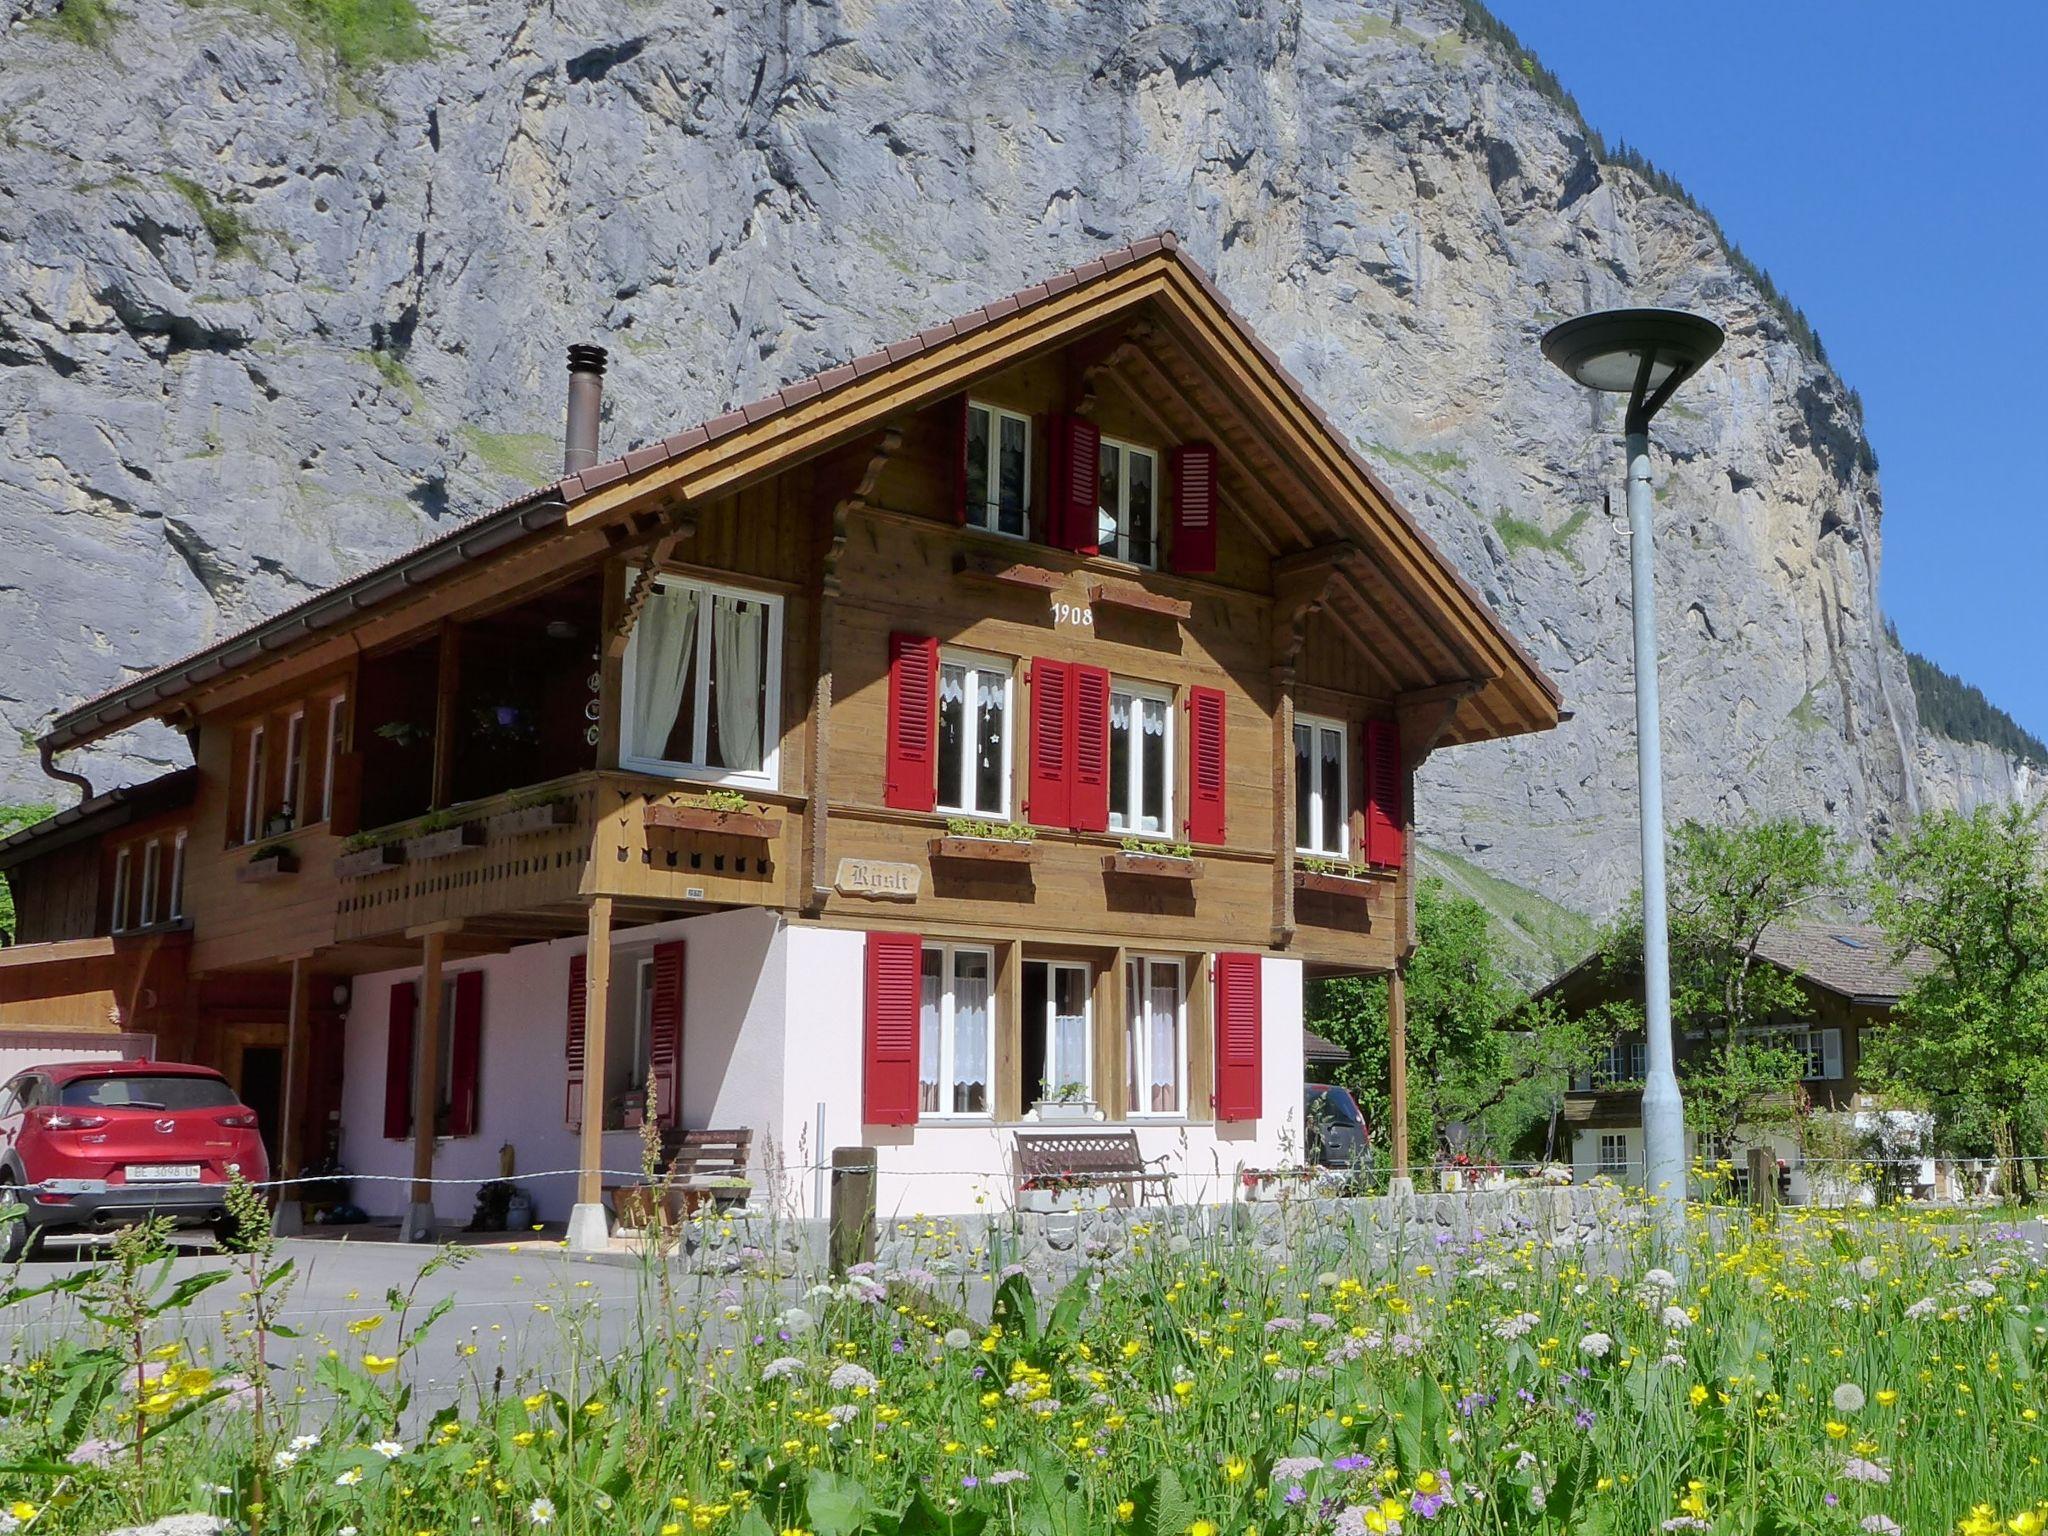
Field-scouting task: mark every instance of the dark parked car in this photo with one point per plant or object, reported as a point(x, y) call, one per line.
point(94, 1145)
point(1337, 1135)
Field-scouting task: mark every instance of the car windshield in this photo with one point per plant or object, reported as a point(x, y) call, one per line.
point(147, 1090)
point(1339, 1105)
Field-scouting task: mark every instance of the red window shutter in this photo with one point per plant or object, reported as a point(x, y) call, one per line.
point(1385, 794)
point(913, 764)
point(572, 1109)
point(665, 1032)
point(1206, 766)
point(889, 1078)
point(1090, 735)
point(405, 1001)
point(1194, 507)
point(1076, 470)
point(956, 426)
point(1048, 791)
point(466, 1055)
point(1238, 1015)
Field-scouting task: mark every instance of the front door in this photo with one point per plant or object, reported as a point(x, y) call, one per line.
point(260, 1082)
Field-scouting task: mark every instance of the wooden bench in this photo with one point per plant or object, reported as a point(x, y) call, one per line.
point(694, 1162)
point(1088, 1160)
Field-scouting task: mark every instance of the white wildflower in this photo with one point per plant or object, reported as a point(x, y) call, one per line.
point(1596, 1344)
point(1677, 1319)
point(1857, 1470)
point(1848, 1398)
point(958, 1338)
point(390, 1450)
point(1515, 1327)
point(781, 1366)
point(541, 1511)
point(284, 1461)
point(851, 1378)
point(1878, 1525)
point(349, 1478)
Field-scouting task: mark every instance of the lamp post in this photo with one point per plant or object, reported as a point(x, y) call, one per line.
point(1645, 354)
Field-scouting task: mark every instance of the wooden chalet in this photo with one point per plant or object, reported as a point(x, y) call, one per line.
point(992, 731)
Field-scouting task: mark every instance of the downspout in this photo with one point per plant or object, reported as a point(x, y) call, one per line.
point(63, 775)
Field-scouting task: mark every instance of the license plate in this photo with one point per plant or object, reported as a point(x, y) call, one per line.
point(163, 1173)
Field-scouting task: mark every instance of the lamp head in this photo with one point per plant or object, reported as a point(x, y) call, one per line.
point(1642, 353)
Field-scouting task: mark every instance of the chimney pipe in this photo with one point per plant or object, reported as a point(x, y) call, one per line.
point(586, 397)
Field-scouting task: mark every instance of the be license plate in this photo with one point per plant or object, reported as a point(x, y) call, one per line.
point(163, 1173)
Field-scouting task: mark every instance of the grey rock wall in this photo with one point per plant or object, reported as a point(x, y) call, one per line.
point(263, 322)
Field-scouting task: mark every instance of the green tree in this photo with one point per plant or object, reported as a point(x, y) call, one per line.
point(1480, 1054)
point(12, 819)
point(1729, 885)
point(1972, 1039)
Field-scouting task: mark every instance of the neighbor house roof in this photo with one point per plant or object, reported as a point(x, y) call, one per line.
point(1853, 960)
point(101, 813)
point(1316, 1051)
point(549, 506)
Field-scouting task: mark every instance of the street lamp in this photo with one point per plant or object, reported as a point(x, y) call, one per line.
point(1645, 354)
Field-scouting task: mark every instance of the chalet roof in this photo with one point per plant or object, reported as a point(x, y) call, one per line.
point(1853, 960)
point(99, 814)
point(550, 506)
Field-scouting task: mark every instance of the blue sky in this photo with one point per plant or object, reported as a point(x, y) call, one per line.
point(1885, 162)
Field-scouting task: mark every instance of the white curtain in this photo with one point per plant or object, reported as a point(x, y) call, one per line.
point(1070, 1036)
point(970, 1034)
point(928, 1036)
point(738, 652)
point(1164, 1008)
point(662, 653)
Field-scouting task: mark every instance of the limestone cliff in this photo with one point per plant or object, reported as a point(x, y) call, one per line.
point(276, 297)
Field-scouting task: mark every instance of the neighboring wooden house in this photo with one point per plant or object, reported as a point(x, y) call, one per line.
point(1849, 984)
point(1020, 711)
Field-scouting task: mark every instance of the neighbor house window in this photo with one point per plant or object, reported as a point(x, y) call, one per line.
point(252, 787)
point(1140, 759)
point(122, 864)
point(1322, 809)
point(1155, 1035)
point(957, 1032)
point(998, 470)
point(177, 902)
point(974, 735)
point(1626, 1061)
point(295, 769)
point(152, 878)
point(333, 750)
point(703, 683)
point(1613, 1155)
point(1820, 1053)
point(1127, 503)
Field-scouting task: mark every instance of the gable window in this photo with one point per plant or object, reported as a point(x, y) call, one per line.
point(956, 1032)
point(974, 735)
point(252, 787)
point(998, 470)
point(1155, 1035)
point(703, 683)
point(1322, 809)
point(1127, 503)
point(1140, 758)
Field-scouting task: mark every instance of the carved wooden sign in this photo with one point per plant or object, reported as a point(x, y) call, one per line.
point(879, 879)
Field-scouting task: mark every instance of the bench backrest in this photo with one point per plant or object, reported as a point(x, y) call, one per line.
point(1099, 1154)
point(711, 1154)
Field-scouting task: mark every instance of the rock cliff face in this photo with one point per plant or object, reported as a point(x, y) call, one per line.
point(265, 318)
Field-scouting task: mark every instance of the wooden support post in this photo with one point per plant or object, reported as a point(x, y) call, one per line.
point(1763, 1177)
point(426, 1089)
point(589, 1231)
point(852, 1227)
point(298, 1053)
point(1397, 1075)
point(447, 686)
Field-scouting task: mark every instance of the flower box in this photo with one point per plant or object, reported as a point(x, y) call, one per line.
point(705, 818)
point(368, 861)
point(635, 1205)
point(991, 850)
point(529, 819)
point(1344, 887)
point(438, 845)
point(1152, 866)
point(1065, 1111)
point(1048, 1202)
point(270, 866)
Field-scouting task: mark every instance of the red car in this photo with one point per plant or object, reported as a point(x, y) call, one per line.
point(94, 1145)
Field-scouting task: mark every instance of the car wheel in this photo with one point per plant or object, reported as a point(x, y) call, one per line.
point(14, 1233)
point(226, 1233)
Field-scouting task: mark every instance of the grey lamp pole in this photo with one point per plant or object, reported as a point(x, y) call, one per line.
point(1647, 354)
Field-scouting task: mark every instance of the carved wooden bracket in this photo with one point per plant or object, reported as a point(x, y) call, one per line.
point(1301, 586)
point(678, 525)
point(886, 448)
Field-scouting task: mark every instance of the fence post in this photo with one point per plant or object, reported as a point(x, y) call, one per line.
point(1763, 1177)
point(851, 1237)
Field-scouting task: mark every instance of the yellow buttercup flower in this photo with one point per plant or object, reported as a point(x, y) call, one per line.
point(378, 1365)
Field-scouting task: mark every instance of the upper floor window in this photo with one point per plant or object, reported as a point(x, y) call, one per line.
point(293, 812)
point(152, 880)
point(176, 905)
point(998, 470)
point(1322, 811)
point(1127, 503)
point(974, 735)
point(253, 773)
point(956, 1031)
point(1140, 758)
point(121, 916)
point(703, 683)
point(335, 706)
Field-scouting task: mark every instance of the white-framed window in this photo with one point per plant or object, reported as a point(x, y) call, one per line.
point(1059, 1037)
point(152, 878)
point(333, 753)
point(1322, 802)
point(1613, 1154)
point(1140, 758)
point(630, 1049)
point(123, 863)
point(998, 470)
point(1156, 1035)
point(703, 683)
point(1127, 503)
point(956, 1033)
point(1820, 1051)
point(176, 906)
point(974, 734)
point(1626, 1061)
point(294, 807)
point(252, 787)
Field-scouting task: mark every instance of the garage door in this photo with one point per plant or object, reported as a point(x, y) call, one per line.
point(21, 1048)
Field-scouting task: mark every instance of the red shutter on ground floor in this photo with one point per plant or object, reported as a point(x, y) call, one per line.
point(572, 1044)
point(912, 749)
point(1075, 457)
point(1207, 765)
point(405, 998)
point(665, 1032)
point(1089, 733)
point(889, 1070)
point(1049, 780)
point(1385, 794)
point(1194, 507)
point(1238, 1030)
point(466, 1055)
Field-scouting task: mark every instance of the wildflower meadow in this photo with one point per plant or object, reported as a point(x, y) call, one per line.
point(1808, 1372)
